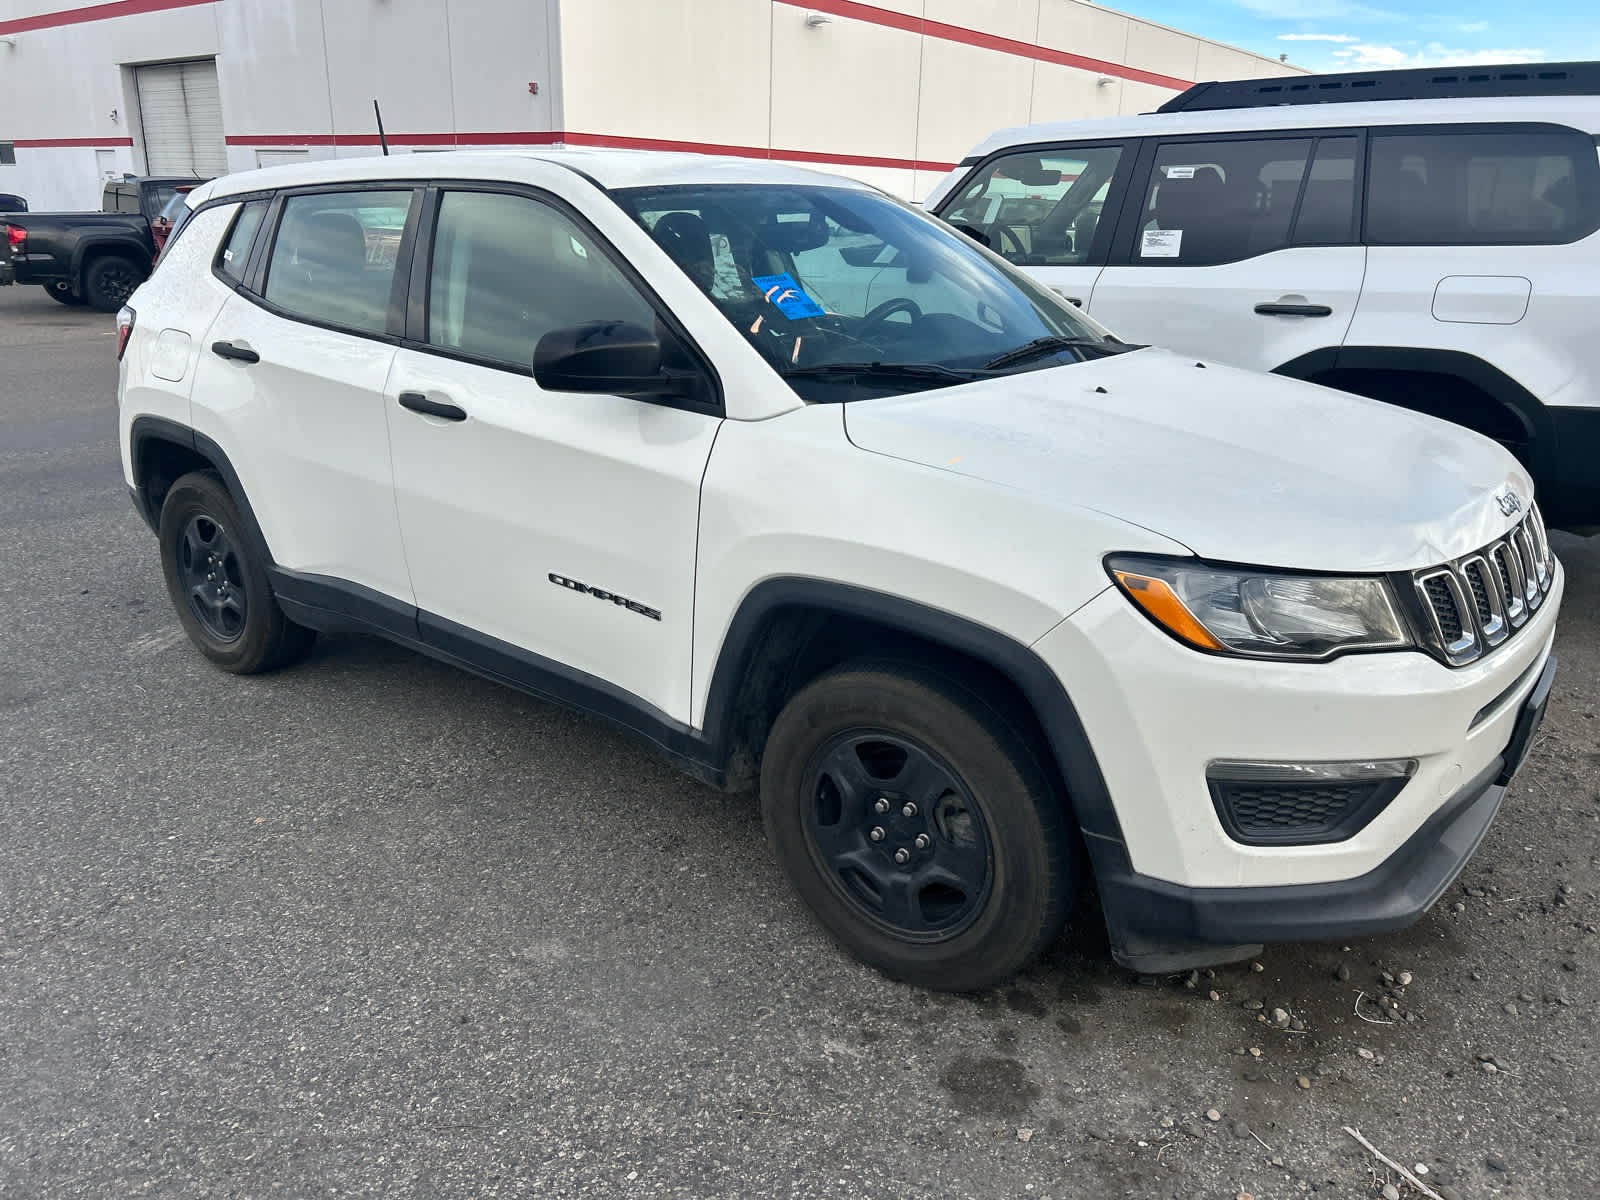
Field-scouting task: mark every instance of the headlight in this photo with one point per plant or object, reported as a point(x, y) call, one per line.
point(1267, 614)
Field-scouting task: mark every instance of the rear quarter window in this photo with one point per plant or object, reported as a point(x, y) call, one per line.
point(1489, 187)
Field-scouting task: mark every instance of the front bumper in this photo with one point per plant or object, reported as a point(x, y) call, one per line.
point(1160, 925)
point(1156, 714)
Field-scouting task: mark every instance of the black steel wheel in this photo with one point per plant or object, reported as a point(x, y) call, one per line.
point(212, 577)
point(109, 281)
point(217, 580)
point(891, 825)
point(917, 824)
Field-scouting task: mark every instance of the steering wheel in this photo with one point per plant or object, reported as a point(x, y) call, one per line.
point(1008, 234)
point(887, 309)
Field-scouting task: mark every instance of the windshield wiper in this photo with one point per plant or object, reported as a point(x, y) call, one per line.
point(886, 370)
point(1039, 347)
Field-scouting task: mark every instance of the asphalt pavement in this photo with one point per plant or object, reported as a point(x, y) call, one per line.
point(374, 927)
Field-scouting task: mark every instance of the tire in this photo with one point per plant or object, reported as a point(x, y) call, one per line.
point(987, 886)
point(108, 281)
point(61, 292)
point(218, 584)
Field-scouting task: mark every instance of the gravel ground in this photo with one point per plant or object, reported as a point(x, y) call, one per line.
point(373, 927)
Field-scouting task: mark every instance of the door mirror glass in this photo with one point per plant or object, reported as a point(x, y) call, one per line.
point(614, 357)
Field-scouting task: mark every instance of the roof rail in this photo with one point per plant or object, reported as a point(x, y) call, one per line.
point(1415, 83)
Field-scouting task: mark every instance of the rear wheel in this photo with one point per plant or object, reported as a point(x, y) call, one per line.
point(61, 292)
point(109, 281)
point(917, 824)
point(218, 584)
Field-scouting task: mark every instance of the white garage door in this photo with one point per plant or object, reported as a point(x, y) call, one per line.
point(180, 110)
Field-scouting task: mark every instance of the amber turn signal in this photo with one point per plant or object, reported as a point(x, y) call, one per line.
point(1158, 600)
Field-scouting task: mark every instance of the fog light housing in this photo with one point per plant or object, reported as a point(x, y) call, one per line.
point(1303, 804)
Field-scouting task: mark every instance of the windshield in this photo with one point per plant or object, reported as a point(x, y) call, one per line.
point(850, 294)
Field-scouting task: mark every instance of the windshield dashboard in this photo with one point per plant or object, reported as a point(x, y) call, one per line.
point(850, 294)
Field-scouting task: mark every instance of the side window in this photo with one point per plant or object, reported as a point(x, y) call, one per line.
point(1217, 202)
point(1328, 202)
point(236, 249)
point(334, 257)
point(1463, 186)
point(506, 270)
point(1039, 209)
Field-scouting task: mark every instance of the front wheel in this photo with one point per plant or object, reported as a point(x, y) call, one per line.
point(218, 584)
point(61, 292)
point(917, 824)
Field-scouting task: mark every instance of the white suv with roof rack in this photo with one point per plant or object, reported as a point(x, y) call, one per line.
point(1423, 237)
point(813, 493)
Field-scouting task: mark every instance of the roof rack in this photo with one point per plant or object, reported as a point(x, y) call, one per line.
point(1416, 83)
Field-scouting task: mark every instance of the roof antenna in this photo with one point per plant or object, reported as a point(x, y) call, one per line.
point(382, 140)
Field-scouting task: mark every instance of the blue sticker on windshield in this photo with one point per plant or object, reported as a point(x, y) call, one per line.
point(787, 296)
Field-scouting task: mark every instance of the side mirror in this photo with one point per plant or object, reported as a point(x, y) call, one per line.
point(612, 357)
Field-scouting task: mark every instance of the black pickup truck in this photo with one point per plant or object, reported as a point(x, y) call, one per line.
point(93, 258)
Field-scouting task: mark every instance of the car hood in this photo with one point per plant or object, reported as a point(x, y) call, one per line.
point(1237, 466)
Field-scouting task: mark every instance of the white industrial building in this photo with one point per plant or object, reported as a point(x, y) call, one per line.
point(894, 91)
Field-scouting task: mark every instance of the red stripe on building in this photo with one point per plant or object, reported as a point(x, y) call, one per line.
point(850, 9)
point(572, 138)
point(810, 156)
point(95, 12)
point(970, 37)
point(56, 143)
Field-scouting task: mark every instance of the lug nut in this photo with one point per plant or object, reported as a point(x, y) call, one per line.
point(882, 805)
point(922, 841)
point(910, 810)
point(902, 855)
point(877, 833)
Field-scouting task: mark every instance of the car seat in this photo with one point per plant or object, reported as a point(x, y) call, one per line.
point(687, 238)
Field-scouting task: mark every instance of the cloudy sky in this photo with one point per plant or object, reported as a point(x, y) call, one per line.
point(1341, 35)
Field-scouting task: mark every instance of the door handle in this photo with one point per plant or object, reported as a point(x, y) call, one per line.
point(238, 353)
point(1294, 310)
point(419, 403)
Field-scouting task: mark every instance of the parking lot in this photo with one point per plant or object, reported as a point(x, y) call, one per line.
point(375, 927)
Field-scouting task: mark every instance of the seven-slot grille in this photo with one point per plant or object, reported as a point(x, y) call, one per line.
point(1474, 604)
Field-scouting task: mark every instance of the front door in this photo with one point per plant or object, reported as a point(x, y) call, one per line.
point(555, 524)
point(1232, 250)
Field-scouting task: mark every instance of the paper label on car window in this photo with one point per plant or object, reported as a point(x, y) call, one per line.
point(786, 295)
point(1160, 243)
point(1180, 172)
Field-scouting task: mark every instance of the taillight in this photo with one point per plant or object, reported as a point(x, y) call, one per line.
point(125, 319)
point(15, 237)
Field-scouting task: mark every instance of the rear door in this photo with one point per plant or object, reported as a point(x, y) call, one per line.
point(1241, 249)
point(1041, 207)
point(1481, 242)
point(291, 378)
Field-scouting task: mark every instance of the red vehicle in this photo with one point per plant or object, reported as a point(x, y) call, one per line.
point(167, 220)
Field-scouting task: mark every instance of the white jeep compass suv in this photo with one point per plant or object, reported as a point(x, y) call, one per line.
point(813, 492)
point(1430, 238)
